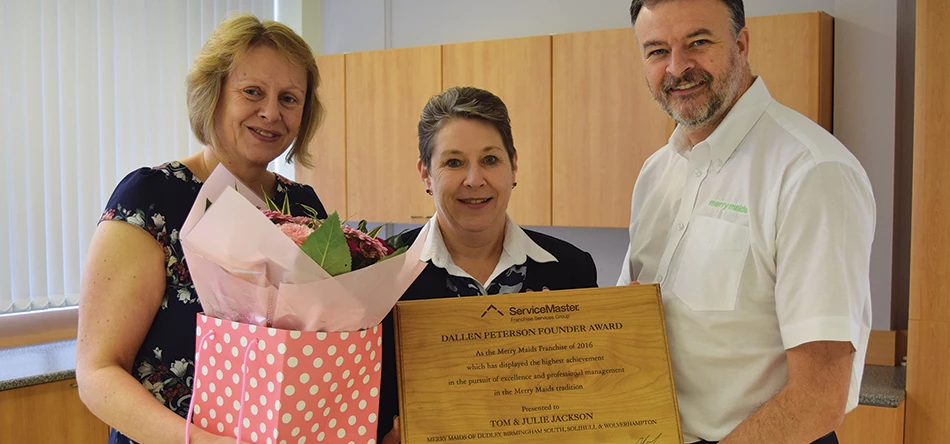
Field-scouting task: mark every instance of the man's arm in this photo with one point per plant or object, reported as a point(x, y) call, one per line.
point(812, 403)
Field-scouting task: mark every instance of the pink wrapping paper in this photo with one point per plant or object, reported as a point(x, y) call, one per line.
point(245, 269)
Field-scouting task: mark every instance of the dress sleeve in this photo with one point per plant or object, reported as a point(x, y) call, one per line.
point(137, 200)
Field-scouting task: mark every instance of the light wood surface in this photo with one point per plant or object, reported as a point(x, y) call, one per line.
point(544, 362)
point(930, 238)
point(385, 94)
point(873, 425)
point(928, 380)
point(328, 146)
point(882, 348)
point(605, 124)
point(48, 413)
point(519, 72)
point(797, 71)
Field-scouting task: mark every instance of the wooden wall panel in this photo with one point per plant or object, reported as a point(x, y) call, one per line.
point(806, 88)
point(928, 382)
point(385, 93)
point(605, 126)
point(873, 425)
point(328, 146)
point(519, 72)
point(48, 413)
point(928, 355)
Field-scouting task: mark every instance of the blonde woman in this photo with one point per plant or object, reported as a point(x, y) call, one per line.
point(252, 93)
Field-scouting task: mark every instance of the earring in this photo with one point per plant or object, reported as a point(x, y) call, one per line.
point(428, 191)
point(514, 185)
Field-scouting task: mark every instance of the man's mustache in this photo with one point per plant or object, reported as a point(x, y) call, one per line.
point(691, 76)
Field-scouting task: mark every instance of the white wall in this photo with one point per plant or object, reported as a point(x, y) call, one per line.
point(865, 77)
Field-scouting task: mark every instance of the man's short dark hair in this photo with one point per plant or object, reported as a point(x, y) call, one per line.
point(736, 12)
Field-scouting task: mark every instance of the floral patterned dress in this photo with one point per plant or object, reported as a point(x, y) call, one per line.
point(158, 200)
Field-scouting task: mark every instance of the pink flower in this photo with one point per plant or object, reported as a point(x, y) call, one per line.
point(370, 247)
point(296, 233)
point(278, 218)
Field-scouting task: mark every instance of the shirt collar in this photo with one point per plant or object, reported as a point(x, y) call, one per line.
point(734, 127)
point(517, 248)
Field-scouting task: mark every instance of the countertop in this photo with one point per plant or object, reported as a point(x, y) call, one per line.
point(37, 364)
point(881, 386)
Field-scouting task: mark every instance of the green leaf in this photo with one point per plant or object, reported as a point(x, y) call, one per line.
point(374, 231)
point(398, 251)
point(327, 247)
point(207, 203)
point(285, 209)
point(311, 212)
point(361, 226)
point(270, 203)
point(396, 242)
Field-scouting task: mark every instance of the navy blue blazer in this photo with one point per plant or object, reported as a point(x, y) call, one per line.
point(574, 269)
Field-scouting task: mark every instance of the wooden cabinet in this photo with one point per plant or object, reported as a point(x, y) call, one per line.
point(385, 94)
point(582, 117)
point(328, 145)
point(605, 125)
point(794, 54)
point(928, 382)
point(519, 72)
point(48, 413)
point(873, 425)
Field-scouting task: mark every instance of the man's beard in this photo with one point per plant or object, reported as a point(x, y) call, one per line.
point(722, 94)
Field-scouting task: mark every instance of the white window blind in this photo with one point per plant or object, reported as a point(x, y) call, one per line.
point(91, 90)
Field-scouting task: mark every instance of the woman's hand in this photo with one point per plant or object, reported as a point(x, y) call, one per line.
point(393, 437)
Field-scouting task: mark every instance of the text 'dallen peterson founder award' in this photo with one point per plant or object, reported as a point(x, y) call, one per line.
point(578, 366)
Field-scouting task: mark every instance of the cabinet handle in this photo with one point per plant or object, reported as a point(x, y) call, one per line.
point(73, 385)
point(420, 217)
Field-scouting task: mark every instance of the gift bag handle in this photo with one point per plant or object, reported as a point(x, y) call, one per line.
point(244, 370)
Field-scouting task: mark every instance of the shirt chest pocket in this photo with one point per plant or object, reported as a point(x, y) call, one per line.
point(711, 264)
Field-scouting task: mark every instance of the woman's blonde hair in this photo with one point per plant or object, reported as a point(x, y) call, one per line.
point(231, 39)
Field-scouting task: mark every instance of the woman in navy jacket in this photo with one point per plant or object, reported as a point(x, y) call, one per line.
point(468, 163)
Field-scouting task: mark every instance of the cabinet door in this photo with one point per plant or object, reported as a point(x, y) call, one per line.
point(48, 413)
point(873, 425)
point(519, 72)
point(385, 93)
point(328, 146)
point(605, 125)
point(794, 54)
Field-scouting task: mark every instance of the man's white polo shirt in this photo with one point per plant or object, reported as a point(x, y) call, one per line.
point(760, 238)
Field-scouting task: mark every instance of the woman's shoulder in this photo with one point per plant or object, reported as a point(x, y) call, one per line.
point(154, 185)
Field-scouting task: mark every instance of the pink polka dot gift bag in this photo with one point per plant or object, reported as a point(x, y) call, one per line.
point(286, 386)
point(289, 344)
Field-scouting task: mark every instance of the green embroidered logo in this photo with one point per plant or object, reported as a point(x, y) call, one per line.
point(728, 206)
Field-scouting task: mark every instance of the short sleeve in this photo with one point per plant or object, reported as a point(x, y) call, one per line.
point(824, 229)
point(137, 201)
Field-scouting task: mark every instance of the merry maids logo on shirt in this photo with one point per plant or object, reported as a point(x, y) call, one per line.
point(729, 206)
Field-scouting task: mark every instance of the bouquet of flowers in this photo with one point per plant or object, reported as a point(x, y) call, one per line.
point(327, 241)
point(301, 299)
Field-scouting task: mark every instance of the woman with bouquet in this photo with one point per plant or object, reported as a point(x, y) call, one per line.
point(252, 92)
point(468, 163)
